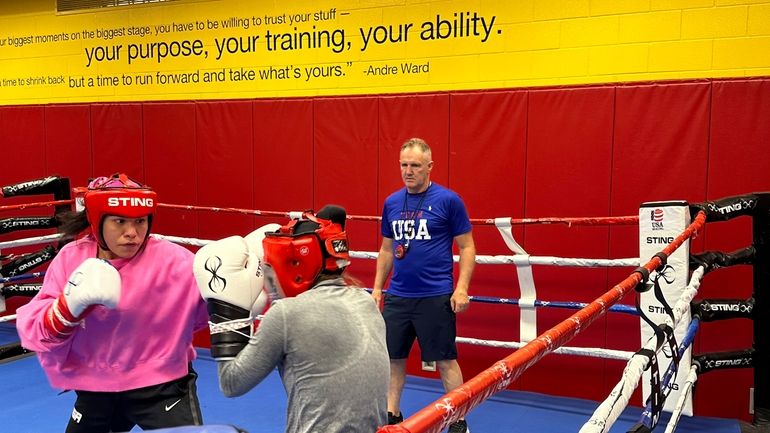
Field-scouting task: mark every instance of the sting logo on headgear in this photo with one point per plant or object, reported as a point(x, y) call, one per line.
point(303, 249)
point(130, 201)
point(120, 196)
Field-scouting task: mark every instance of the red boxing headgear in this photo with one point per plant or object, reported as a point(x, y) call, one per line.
point(303, 249)
point(120, 196)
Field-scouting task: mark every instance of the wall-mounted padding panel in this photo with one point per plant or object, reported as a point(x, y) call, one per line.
point(116, 138)
point(569, 150)
point(170, 150)
point(345, 168)
point(483, 126)
point(68, 141)
point(661, 142)
point(283, 155)
point(23, 145)
point(225, 167)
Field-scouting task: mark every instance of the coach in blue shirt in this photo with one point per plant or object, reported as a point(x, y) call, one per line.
point(419, 224)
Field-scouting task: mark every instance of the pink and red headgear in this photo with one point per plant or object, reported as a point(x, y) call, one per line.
point(120, 196)
point(304, 248)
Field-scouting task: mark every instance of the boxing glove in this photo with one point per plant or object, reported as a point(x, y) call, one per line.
point(230, 281)
point(93, 282)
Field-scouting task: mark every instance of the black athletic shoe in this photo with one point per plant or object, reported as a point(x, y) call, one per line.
point(393, 419)
point(458, 427)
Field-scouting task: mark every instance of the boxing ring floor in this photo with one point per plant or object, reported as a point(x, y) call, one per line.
point(31, 406)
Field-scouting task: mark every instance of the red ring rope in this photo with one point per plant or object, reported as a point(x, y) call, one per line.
point(582, 221)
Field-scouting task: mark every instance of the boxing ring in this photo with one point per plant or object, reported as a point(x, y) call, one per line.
point(483, 399)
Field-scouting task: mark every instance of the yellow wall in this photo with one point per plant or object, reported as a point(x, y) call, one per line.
point(44, 56)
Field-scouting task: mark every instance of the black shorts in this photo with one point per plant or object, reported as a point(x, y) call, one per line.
point(430, 320)
point(169, 404)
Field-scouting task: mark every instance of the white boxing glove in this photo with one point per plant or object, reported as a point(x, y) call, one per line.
point(230, 281)
point(94, 282)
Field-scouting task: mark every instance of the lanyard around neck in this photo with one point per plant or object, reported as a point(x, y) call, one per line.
point(405, 209)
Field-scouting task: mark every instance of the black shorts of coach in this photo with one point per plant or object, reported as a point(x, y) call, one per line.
point(430, 320)
point(169, 404)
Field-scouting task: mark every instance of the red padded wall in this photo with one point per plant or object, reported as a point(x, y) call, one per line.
point(170, 163)
point(345, 167)
point(405, 117)
point(345, 159)
point(283, 137)
point(68, 142)
point(569, 149)
point(116, 136)
point(23, 139)
point(488, 170)
point(225, 166)
point(661, 144)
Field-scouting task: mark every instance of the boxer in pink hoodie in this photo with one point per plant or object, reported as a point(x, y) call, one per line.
point(115, 317)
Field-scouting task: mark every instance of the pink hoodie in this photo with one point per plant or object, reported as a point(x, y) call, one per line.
point(145, 341)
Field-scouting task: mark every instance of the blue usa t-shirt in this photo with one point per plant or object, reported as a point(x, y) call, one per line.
point(424, 225)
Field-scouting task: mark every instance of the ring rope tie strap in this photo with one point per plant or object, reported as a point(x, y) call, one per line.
point(643, 286)
point(655, 400)
point(658, 394)
point(528, 319)
point(663, 333)
point(668, 329)
point(650, 417)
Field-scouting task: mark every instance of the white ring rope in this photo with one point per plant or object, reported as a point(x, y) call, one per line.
point(481, 259)
point(533, 260)
point(610, 409)
point(30, 241)
point(184, 241)
point(564, 350)
point(7, 318)
point(673, 422)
